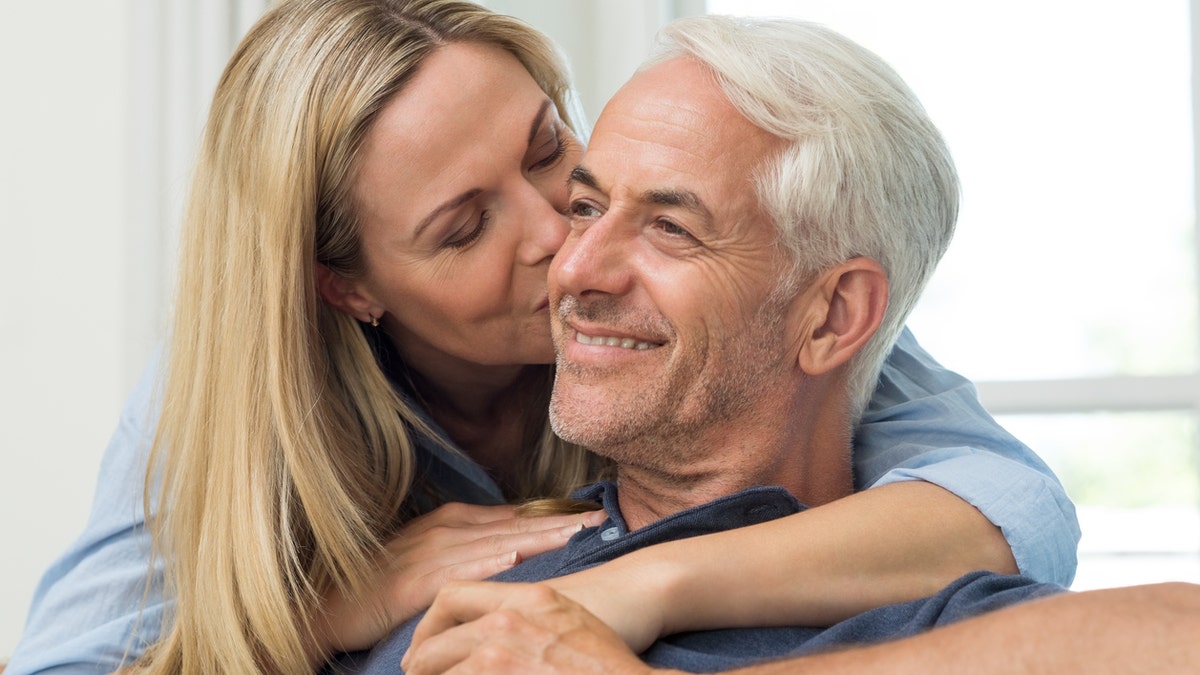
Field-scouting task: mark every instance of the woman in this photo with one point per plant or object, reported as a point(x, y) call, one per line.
point(360, 336)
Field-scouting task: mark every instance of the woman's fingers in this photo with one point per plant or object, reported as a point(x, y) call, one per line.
point(454, 542)
point(447, 542)
point(422, 565)
point(447, 526)
point(459, 514)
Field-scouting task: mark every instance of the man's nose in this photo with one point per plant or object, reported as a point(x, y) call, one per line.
point(595, 258)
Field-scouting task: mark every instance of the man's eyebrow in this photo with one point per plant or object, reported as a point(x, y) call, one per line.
point(663, 196)
point(449, 204)
point(674, 197)
point(584, 177)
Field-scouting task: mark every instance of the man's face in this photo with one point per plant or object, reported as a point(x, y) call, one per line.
point(660, 292)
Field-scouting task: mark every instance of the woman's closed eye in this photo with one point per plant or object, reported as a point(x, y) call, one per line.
point(556, 153)
point(469, 233)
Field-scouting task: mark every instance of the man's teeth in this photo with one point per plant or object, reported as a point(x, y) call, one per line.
point(623, 343)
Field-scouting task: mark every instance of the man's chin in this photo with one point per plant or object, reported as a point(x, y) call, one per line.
point(587, 426)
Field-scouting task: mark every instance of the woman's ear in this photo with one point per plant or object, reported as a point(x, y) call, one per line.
point(848, 304)
point(346, 296)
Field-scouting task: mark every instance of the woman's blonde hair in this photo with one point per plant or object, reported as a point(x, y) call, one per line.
point(284, 457)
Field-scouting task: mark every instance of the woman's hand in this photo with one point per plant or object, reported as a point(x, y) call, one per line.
point(515, 628)
point(453, 542)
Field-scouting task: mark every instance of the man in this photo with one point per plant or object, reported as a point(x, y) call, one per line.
point(738, 267)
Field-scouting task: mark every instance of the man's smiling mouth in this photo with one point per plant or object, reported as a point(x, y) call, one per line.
point(613, 341)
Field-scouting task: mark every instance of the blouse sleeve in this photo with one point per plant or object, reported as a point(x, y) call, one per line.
point(926, 423)
point(98, 604)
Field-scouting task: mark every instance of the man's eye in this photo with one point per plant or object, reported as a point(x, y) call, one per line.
point(673, 229)
point(583, 209)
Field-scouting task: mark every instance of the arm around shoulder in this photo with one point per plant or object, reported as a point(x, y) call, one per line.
point(925, 423)
point(955, 493)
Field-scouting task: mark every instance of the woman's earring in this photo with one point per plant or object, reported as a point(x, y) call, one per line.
point(374, 321)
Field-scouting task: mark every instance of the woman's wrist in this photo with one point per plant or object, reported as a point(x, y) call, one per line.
point(639, 595)
point(660, 584)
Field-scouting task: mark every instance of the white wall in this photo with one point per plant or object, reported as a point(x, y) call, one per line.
point(100, 111)
point(604, 40)
point(62, 357)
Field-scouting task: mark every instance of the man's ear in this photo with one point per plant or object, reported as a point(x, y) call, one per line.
point(845, 309)
point(346, 295)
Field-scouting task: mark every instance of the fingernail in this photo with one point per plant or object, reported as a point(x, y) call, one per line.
point(571, 530)
point(509, 559)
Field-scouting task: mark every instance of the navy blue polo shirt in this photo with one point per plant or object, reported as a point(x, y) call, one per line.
point(713, 650)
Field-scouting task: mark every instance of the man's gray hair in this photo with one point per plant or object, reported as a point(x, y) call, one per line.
point(864, 172)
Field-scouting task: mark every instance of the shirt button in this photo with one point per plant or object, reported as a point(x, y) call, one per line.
point(610, 534)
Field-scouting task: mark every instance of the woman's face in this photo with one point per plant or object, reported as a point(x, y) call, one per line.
point(461, 189)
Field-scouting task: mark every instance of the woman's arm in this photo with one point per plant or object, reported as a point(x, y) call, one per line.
point(926, 423)
point(1147, 629)
point(94, 610)
point(88, 609)
point(905, 539)
point(886, 545)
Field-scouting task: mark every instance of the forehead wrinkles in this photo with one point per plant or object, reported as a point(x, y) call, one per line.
point(642, 166)
point(674, 119)
point(683, 125)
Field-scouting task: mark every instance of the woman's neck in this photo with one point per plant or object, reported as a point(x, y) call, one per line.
point(492, 424)
point(488, 411)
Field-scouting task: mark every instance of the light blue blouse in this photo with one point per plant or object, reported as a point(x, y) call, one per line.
point(93, 607)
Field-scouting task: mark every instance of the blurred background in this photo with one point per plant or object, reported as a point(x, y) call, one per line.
point(1069, 294)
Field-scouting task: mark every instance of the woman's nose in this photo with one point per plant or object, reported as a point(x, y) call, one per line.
point(545, 230)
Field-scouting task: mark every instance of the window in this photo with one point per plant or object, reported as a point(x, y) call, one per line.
point(1070, 291)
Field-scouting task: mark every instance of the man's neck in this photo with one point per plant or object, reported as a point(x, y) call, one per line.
point(807, 455)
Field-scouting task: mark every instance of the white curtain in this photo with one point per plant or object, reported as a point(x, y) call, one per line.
point(179, 48)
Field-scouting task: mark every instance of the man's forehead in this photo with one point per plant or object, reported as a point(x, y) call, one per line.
point(671, 127)
point(678, 100)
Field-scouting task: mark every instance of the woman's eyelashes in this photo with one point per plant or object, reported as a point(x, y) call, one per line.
point(560, 149)
point(472, 232)
point(467, 235)
point(556, 153)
